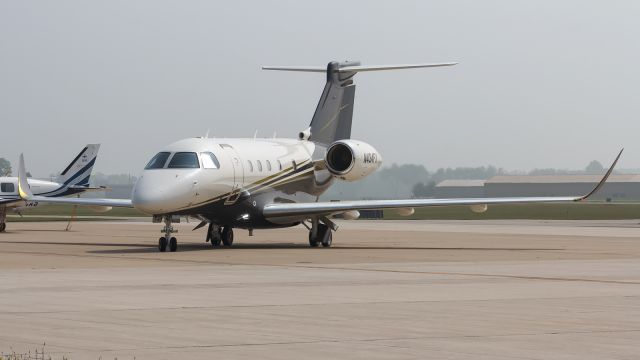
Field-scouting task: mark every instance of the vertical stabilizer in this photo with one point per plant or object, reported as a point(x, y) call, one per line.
point(332, 119)
point(77, 173)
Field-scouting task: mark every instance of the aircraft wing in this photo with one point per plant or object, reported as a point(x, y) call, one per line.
point(5, 201)
point(25, 194)
point(82, 201)
point(319, 209)
point(89, 188)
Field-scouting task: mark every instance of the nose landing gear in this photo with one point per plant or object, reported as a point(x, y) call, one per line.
point(167, 239)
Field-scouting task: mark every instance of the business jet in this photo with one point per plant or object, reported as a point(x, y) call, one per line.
point(74, 179)
point(271, 183)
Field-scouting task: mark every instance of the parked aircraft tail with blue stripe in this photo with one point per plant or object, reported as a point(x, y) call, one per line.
point(77, 173)
point(73, 180)
point(75, 177)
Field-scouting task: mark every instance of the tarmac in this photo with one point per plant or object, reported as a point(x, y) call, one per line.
point(386, 289)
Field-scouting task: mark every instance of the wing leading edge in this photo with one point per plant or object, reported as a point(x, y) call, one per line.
point(5, 201)
point(25, 194)
point(316, 209)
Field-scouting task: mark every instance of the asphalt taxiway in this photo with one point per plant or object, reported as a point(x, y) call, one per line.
point(388, 289)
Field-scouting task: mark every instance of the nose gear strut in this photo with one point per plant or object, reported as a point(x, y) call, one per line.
point(167, 239)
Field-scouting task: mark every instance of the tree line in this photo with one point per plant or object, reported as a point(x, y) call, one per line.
point(395, 181)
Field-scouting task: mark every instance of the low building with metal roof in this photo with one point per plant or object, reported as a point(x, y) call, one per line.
point(619, 187)
point(456, 188)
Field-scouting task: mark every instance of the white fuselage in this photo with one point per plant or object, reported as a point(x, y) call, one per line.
point(244, 168)
point(9, 190)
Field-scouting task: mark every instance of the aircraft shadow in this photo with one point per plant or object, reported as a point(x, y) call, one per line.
point(136, 248)
point(197, 247)
point(71, 243)
point(11, 231)
point(291, 246)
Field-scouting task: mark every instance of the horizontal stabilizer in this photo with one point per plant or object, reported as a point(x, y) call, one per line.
point(355, 68)
point(332, 119)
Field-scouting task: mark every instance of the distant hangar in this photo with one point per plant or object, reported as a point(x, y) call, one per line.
point(622, 187)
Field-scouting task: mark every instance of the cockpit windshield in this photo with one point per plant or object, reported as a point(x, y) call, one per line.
point(184, 160)
point(209, 161)
point(158, 161)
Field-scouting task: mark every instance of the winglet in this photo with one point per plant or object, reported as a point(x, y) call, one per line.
point(604, 178)
point(23, 185)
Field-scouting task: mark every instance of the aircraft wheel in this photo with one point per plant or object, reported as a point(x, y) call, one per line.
point(3, 227)
point(214, 235)
point(173, 244)
point(216, 241)
point(313, 242)
point(227, 236)
point(162, 244)
point(328, 239)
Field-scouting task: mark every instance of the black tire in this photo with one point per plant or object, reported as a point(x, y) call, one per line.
point(321, 234)
point(173, 244)
point(3, 227)
point(162, 244)
point(328, 239)
point(214, 237)
point(313, 242)
point(227, 236)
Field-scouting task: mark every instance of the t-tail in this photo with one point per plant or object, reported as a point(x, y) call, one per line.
point(332, 119)
point(78, 172)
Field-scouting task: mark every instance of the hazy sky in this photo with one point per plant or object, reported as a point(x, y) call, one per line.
point(539, 84)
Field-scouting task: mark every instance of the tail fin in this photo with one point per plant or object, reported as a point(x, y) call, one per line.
point(77, 173)
point(332, 119)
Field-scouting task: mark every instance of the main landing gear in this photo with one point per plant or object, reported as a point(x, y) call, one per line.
point(320, 234)
point(167, 239)
point(3, 218)
point(217, 235)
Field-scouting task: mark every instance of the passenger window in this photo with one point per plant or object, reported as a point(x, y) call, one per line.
point(184, 160)
point(158, 161)
point(259, 165)
point(268, 165)
point(250, 165)
point(279, 165)
point(7, 187)
point(209, 161)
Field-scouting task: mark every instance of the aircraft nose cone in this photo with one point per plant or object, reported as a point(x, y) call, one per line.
point(153, 195)
point(147, 199)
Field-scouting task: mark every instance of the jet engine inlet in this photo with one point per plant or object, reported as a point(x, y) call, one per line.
point(352, 159)
point(339, 158)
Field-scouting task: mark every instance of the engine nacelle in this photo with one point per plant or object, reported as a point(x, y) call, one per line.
point(352, 160)
point(100, 209)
